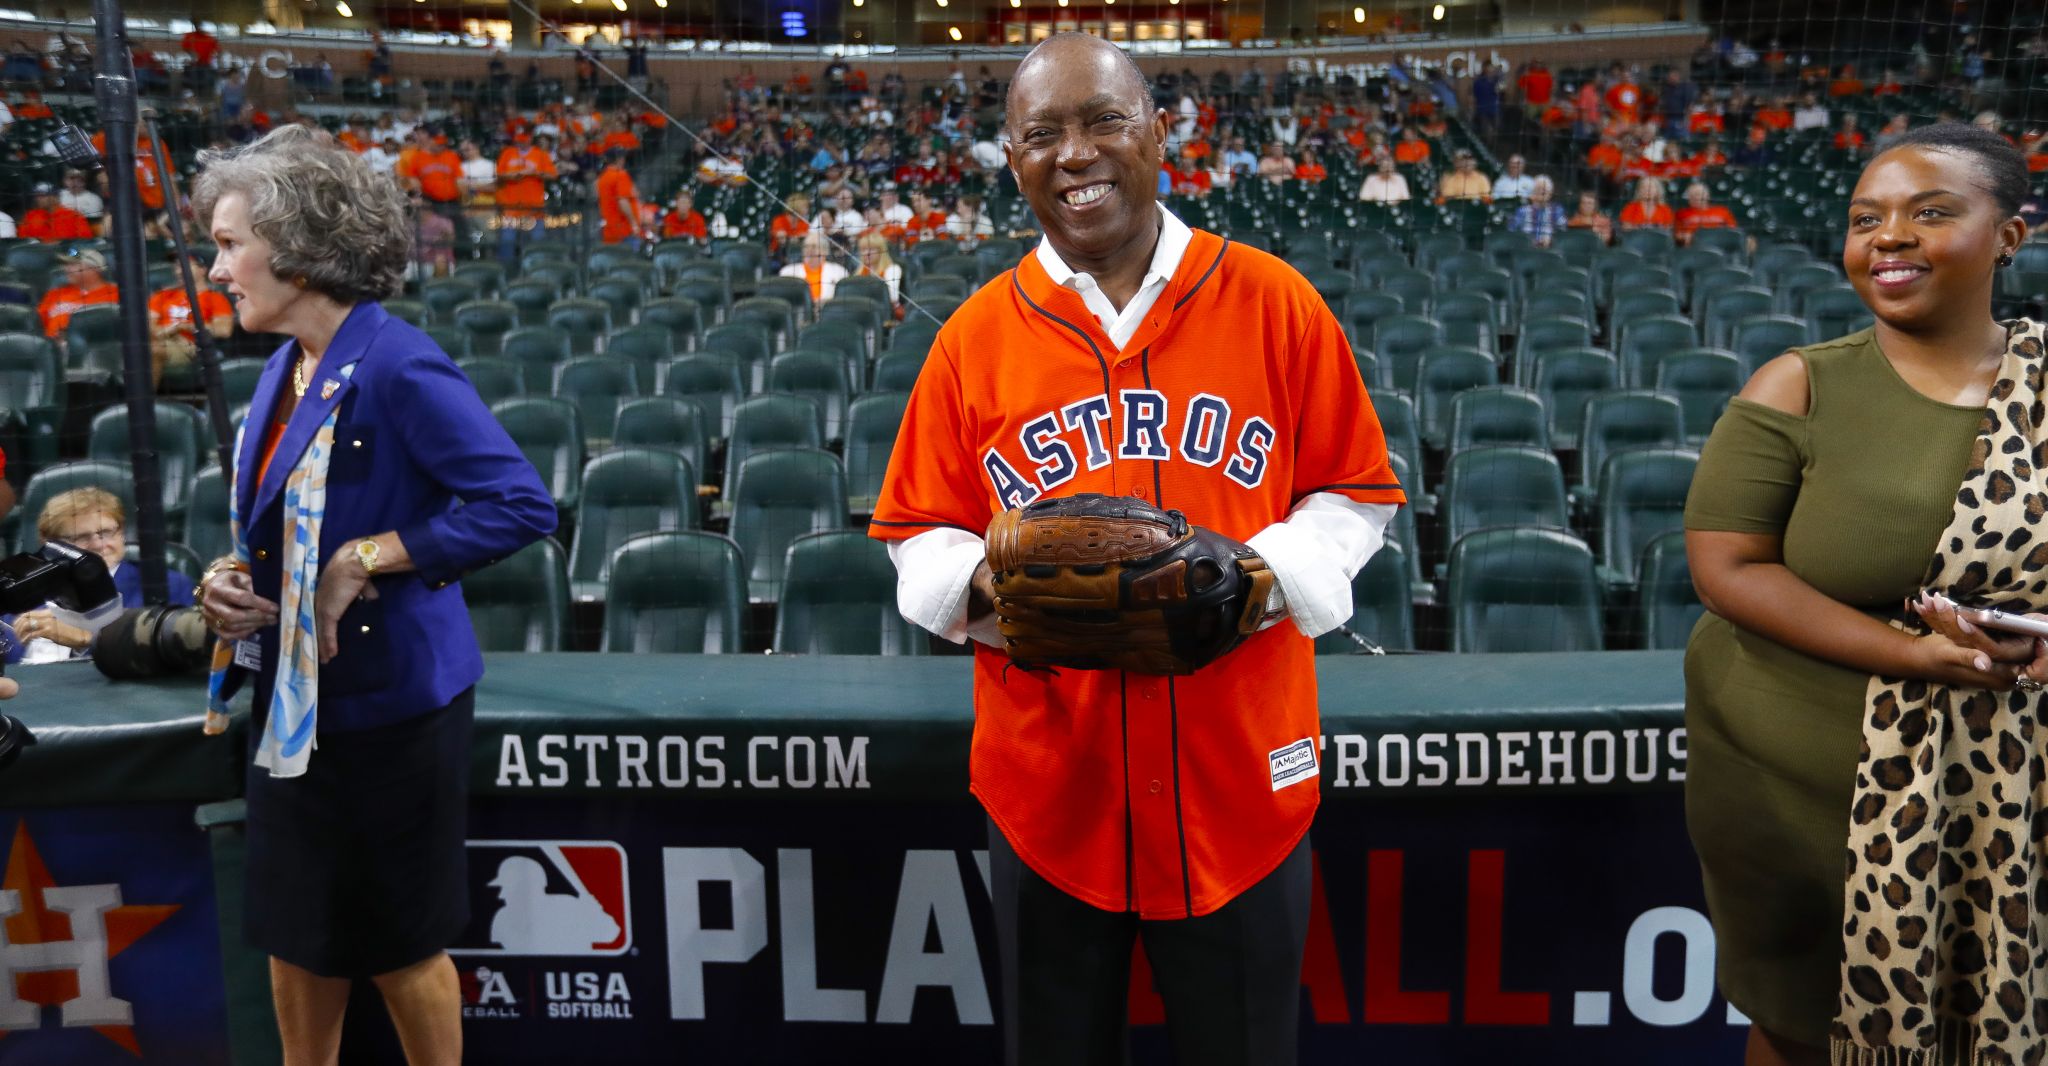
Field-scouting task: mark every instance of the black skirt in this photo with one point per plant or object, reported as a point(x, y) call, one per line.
point(357, 867)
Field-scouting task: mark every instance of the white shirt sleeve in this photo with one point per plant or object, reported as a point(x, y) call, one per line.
point(933, 572)
point(1316, 551)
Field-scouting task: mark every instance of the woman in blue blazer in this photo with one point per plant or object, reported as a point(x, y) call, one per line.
point(369, 477)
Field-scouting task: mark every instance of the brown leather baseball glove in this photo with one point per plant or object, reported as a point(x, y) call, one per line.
point(1097, 582)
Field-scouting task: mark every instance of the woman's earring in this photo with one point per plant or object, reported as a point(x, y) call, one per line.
point(2005, 259)
point(300, 281)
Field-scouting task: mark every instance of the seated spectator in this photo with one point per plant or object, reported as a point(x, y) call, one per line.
point(478, 178)
point(968, 223)
point(683, 221)
point(1606, 156)
point(1411, 149)
point(93, 520)
point(48, 220)
point(1705, 118)
point(816, 268)
point(1846, 82)
point(7, 227)
point(1812, 114)
point(2036, 149)
point(1699, 214)
point(1988, 120)
point(1590, 217)
point(895, 213)
point(1648, 210)
point(1849, 138)
point(80, 197)
point(1275, 166)
point(791, 225)
point(927, 221)
point(433, 253)
point(1540, 218)
point(1513, 184)
point(1385, 185)
point(1464, 182)
point(172, 340)
point(1755, 151)
point(85, 284)
point(1239, 160)
point(1776, 117)
point(1309, 170)
point(846, 221)
point(873, 250)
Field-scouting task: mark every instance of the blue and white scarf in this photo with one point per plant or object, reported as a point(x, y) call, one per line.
point(288, 740)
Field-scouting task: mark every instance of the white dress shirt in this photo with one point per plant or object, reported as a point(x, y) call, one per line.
point(1513, 186)
point(1384, 189)
point(1314, 552)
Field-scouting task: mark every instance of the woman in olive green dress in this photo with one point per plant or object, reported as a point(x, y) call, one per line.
point(1814, 512)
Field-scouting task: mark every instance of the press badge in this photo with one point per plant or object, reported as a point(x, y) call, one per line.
point(249, 654)
point(1294, 763)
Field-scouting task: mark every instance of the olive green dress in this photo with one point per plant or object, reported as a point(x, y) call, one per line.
point(1860, 489)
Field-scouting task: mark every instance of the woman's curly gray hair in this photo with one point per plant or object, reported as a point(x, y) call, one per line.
point(326, 215)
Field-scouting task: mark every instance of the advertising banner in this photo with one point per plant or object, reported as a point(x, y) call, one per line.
point(109, 942)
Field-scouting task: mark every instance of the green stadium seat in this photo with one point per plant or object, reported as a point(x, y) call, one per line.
point(1402, 430)
point(1498, 415)
point(1642, 495)
point(1399, 341)
point(645, 346)
point(1619, 421)
point(1523, 590)
point(796, 292)
point(486, 277)
point(96, 324)
point(596, 384)
point(711, 381)
point(777, 496)
point(205, 528)
point(1580, 247)
point(1493, 282)
point(1634, 305)
point(744, 343)
point(409, 311)
point(872, 421)
point(487, 322)
point(1794, 283)
point(1645, 342)
point(775, 314)
point(1702, 379)
point(1833, 311)
point(1759, 339)
point(674, 592)
point(1610, 264)
point(1499, 486)
point(938, 286)
point(712, 295)
point(1416, 290)
point(821, 376)
point(1539, 335)
point(663, 422)
point(627, 492)
point(181, 445)
point(494, 377)
point(621, 296)
point(1335, 286)
point(1716, 280)
point(442, 296)
point(1725, 308)
point(521, 602)
point(63, 477)
point(769, 422)
point(1444, 372)
point(1667, 605)
point(453, 342)
point(537, 350)
point(561, 276)
point(1730, 242)
point(845, 338)
point(1566, 378)
point(1655, 245)
point(1381, 610)
point(1469, 320)
point(531, 298)
point(1572, 279)
point(865, 287)
point(1363, 311)
point(19, 318)
point(839, 598)
point(683, 318)
point(583, 321)
point(550, 434)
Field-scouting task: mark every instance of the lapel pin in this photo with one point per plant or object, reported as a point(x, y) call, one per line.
point(327, 388)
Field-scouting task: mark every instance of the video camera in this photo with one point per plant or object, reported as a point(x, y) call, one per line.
point(135, 643)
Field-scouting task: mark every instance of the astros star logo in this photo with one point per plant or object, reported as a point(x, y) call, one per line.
point(55, 941)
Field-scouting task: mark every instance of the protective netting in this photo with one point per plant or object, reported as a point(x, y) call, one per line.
point(693, 255)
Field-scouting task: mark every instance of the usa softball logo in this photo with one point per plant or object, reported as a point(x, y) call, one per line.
point(547, 897)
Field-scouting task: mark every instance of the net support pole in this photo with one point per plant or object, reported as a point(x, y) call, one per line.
point(114, 89)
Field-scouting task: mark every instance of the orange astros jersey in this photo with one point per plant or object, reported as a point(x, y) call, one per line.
point(1236, 398)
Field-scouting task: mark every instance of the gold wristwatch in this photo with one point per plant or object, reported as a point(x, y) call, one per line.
point(366, 554)
point(218, 566)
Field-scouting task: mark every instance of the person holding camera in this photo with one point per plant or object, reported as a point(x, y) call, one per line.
point(90, 519)
point(369, 477)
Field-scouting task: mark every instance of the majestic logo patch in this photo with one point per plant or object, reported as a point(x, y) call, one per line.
point(547, 897)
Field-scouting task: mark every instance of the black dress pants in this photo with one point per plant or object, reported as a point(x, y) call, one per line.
point(1230, 979)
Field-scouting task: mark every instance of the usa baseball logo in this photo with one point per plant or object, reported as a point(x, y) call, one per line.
point(547, 897)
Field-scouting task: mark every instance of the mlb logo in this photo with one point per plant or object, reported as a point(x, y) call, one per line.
point(547, 897)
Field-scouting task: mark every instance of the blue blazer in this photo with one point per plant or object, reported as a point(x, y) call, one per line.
point(416, 451)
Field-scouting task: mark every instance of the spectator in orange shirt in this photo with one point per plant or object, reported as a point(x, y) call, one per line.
point(1849, 139)
point(1709, 155)
point(2036, 149)
point(85, 284)
point(1774, 116)
point(927, 221)
point(1648, 210)
point(683, 220)
point(791, 225)
point(1605, 157)
point(1536, 84)
point(32, 106)
point(619, 136)
point(618, 202)
point(1411, 149)
point(523, 169)
point(1308, 168)
point(172, 340)
point(1890, 86)
point(1590, 217)
point(1846, 83)
point(48, 220)
point(1699, 214)
point(1624, 97)
point(1705, 118)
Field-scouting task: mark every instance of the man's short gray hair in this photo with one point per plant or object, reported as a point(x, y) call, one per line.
point(326, 215)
